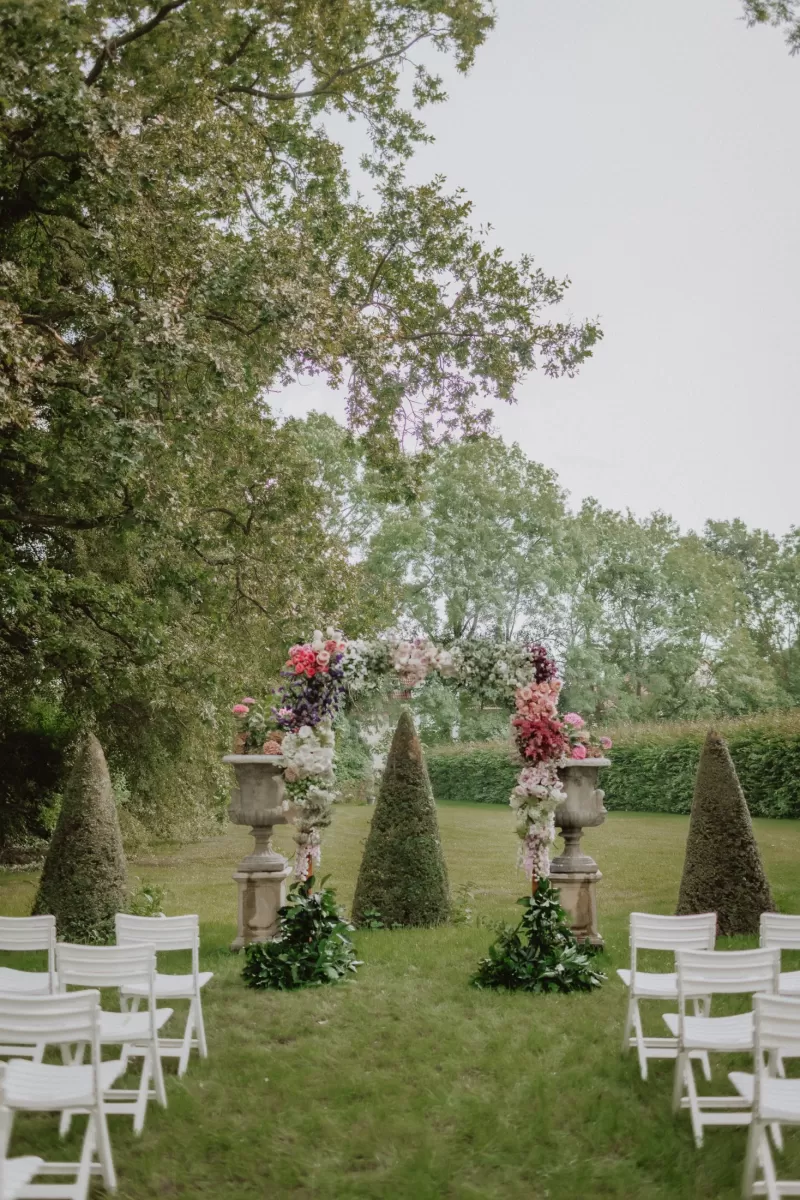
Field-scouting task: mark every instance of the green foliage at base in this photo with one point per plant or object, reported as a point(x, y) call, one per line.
point(84, 881)
point(722, 872)
point(541, 953)
point(313, 946)
point(653, 767)
point(403, 876)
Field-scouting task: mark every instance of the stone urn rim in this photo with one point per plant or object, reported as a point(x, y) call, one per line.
point(275, 759)
point(584, 762)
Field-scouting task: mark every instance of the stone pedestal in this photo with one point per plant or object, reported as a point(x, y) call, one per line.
point(574, 873)
point(259, 800)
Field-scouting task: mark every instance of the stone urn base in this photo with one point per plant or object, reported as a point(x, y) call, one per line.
point(258, 801)
point(573, 872)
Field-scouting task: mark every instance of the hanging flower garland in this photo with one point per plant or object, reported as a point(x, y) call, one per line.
point(322, 675)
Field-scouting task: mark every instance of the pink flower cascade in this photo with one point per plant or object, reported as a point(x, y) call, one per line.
point(546, 742)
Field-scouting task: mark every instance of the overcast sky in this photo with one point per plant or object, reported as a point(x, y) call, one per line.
point(648, 150)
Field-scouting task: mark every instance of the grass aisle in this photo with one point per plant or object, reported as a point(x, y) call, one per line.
point(408, 1083)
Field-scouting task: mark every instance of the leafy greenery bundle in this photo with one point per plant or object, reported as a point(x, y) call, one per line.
point(541, 953)
point(313, 946)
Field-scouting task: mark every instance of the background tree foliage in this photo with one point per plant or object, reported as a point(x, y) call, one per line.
point(647, 622)
point(178, 237)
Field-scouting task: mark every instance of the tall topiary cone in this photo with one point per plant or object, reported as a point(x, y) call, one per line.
point(722, 872)
point(84, 881)
point(403, 875)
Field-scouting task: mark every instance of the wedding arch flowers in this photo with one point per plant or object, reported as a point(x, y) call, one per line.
point(321, 676)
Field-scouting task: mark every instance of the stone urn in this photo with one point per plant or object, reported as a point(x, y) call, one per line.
point(574, 872)
point(258, 799)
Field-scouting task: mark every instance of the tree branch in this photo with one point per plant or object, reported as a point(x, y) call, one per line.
point(124, 39)
point(325, 87)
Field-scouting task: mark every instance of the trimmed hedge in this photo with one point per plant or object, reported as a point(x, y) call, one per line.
point(653, 766)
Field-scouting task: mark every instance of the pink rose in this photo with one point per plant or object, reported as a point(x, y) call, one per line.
point(606, 743)
point(248, 700)
point(290, 775)
point(239, 710)
point(579, 751)
point(574, 719)
point(323, 658)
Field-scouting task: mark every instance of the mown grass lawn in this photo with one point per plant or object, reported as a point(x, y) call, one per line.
point(408, 1083)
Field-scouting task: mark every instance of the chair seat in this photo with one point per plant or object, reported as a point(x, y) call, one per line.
point(48, 1088)
point(651, 983)
point(789, 983)
point(725, 1034)
point(118, 1027)
point(17, 1172)
point(171, 987)
point(780, 1098)
point(28, 983)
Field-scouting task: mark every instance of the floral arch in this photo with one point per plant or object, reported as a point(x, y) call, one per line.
point(324, 676)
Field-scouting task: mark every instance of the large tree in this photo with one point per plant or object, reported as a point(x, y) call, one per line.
point(178, 236)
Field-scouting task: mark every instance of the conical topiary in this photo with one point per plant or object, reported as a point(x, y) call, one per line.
point(722, 872)
point(84, 881)
point(403, 878)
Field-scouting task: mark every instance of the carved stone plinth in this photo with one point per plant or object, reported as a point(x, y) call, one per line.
point(259, 800)
point(573, 872)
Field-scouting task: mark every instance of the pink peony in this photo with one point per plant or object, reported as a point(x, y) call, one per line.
point(290, 775)
point(579, 751)
point(574, 719)
point(239, 710)
point(248, 700)
point(323, 658)
point(606, 743)
point(271, 748)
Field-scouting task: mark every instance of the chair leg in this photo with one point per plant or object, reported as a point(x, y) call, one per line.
point(84, 1172)
point(186, 1047)
point(694, 1104)
point(777, 1135)
point(768, 1167)
point(626, 1033)
point(104, 1150)
point(678, 1081)
point(751, 1159)
point(641, 1049)
point(202, 1046)
point(158, 1074)
point(140, 1110)
point(76, 1060)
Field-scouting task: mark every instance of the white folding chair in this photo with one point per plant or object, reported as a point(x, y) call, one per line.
point(781, 931)
point(135, 1032)
point(775, 1101)
point(670, 934)
point(170, 933)
point(37, 1087)
point(15, 1173)
point(28, 933)
point(709, 973)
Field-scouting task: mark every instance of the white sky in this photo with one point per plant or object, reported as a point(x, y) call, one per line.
point(649, 152)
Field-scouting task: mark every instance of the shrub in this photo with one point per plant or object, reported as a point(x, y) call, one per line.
point(403, 875)
point(313, 945)
point(541, 953)
point(722, 872)
point(84, 881)
point(653, 767)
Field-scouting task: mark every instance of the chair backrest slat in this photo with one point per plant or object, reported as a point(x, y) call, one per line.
point(104, 966)
point(27, 933)
point(165, 933)
point(777, 1024)
point(781, 930)
point(736, 972)
point(28, 1020)
point(651, 931)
